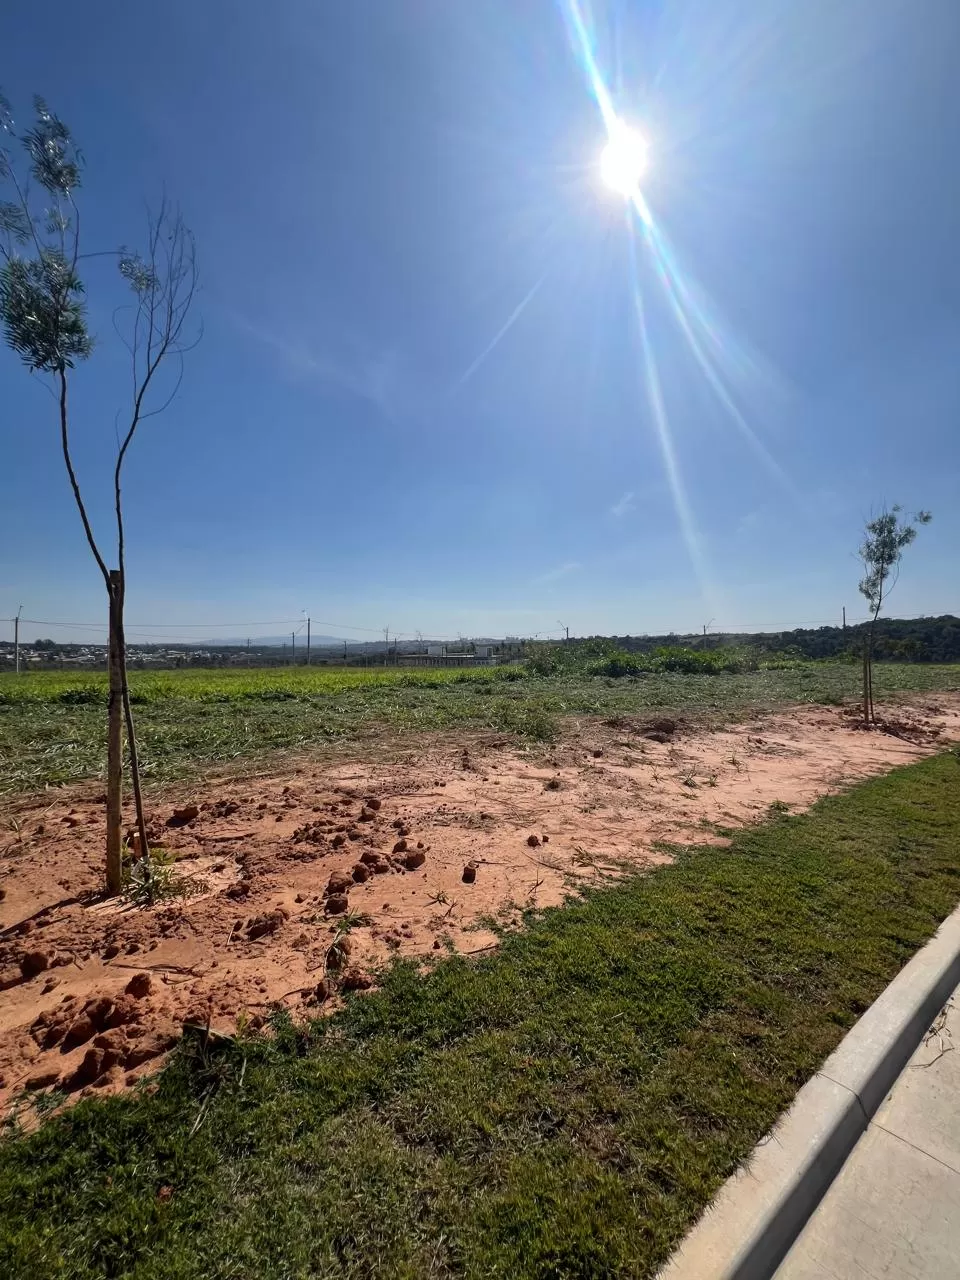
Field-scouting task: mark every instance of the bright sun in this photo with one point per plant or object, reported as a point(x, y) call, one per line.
point(623, 161)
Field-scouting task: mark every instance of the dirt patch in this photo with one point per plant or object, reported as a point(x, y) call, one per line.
point(304, 884)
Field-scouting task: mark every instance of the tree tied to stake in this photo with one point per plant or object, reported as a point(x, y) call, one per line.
point(43, 313)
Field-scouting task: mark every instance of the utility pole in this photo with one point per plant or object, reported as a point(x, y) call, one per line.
point(386, 644)
point(293, 648)
point(16, 640)
point(844, 617)
point(308, 642)
point(565, 628)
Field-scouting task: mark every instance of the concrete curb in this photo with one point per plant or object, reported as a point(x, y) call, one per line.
point(758, 1213)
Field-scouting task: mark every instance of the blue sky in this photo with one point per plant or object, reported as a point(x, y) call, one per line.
point(422, 399)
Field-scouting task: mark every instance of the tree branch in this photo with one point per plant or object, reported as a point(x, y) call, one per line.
point(65, 444)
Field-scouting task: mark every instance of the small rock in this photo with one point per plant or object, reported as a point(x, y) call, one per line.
point(370, 856)
point(43, 1078)
point(125, 1011)
point(321, 991)
point(380, 867)
point(373, 803)
point(150, 1046)
point(79, 1032)
point(301, 897)
point(98, 1010)
point(420, 844)
point(436, 944)
point(139, 986)
point(180, 817)
point(597, 752)
point(336, 904)
point(339, 882)
point(367, 815)
point(469, 873)
point(400, 846)
point(89, 1068)
point(113, 1039)
point(262, 925)
point(110, 951)
point(415, 858)
point(533, 841)
point(26, 927)
point(62, 959)
point(354, 834)
point(34, 962)
point(544, 839)
point(51, 984)
point(360, 873)
point(338, 840)
point(356, 980)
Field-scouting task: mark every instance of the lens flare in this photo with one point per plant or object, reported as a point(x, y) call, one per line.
point(721, 358)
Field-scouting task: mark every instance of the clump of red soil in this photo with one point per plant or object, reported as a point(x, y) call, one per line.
point(306, 883)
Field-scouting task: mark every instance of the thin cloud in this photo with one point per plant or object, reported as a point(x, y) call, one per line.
point(561, 571)
point(501, 333)
point(624, 505)
point(379, 377)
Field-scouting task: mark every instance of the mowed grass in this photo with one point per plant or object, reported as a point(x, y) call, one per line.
point(52, 723)
point(562, 1108)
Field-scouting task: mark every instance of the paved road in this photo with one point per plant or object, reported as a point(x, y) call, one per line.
point(893, 1213)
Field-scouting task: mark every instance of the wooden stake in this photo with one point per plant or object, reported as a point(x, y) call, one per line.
point(114, 742)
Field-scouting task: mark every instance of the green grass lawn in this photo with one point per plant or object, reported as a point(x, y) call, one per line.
point(52, 724)
point(562, 1108)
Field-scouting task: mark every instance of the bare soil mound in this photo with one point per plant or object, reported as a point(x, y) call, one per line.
point(304, 884)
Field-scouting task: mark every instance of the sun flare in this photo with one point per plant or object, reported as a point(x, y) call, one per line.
point(623, 160)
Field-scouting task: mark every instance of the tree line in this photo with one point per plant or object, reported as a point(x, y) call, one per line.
point(896, 640)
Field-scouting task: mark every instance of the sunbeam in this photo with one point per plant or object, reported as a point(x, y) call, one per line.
point(677, 294)
point(621, 169)
point(685, 518)
point(584, 47)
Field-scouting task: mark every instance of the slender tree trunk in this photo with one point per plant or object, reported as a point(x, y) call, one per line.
point(114, 742)
point(870, 645)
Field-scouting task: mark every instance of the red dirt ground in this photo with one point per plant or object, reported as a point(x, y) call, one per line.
point(93, 992)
